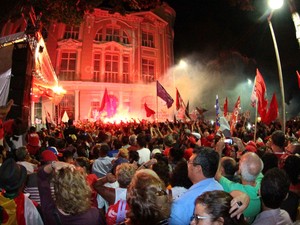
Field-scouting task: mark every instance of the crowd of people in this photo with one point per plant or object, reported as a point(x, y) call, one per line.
point(144, 173)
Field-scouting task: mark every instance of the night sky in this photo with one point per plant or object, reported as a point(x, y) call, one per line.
point(222, 39)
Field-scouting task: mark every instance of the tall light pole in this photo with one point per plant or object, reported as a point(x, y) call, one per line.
point(276, 4)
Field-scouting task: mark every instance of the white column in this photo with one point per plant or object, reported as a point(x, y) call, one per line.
point(77, 105)
point(32, 113)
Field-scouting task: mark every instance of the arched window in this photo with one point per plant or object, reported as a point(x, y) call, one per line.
point(99, 35)
point(112, 33)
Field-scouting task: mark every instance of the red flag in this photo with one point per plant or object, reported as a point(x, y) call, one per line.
point(258, 95)
point(225, 107)
point(149, 112)
point(187, 110)
point(181, 107)
point(179, 101)
point(163, 94)
point(298, 75)
point(235, 114)
point(104, 100)
point(272, 112)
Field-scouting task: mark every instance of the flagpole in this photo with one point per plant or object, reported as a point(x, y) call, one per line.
point(156, 108)
point(255, 129)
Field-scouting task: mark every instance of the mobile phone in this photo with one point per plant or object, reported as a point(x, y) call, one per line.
point(228, 141)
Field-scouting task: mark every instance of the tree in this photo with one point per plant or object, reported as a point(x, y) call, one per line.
point(70, 12)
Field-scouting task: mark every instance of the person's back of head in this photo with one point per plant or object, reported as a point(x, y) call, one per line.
point(141, 140)
point(169, 140)
point(162, 170)
point(147, 199)
point(132, 139)
point(176, 153)
point(229, 166)
point(21, 153)
point(179, 176)
point(83, 162)
point(32, 129)
point(117, 144)
point(274, 188)
point(52, 141)
point(125, 140)
point(278, 138)
point(67, 184)
point(104, 148)
point(250, 165)
point(133, 156)
point(270, 161)
point(67, 156)
point(208, 158)
point(292, 168)
point(12, 177)
point(124, 174)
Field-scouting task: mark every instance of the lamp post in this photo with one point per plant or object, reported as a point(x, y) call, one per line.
point(276, 4)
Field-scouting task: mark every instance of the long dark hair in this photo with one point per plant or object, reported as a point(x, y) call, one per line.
point(217, 205)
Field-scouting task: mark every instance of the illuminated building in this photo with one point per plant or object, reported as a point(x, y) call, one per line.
point(123, 54)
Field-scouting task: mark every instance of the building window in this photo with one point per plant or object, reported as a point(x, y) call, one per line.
point(97, 63)
point(148, 68)
point(71, 32)
point(147, 39)
point(112, 34)
point(99, 34)
point(124, 38)
point(67, 66)
point(126, 69)
point(111, 68)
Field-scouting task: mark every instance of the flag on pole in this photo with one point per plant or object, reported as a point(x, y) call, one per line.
point(105, 100)
point(187, 110)
point(225, 107)
point(182, 109)
point(258, 95)
point(149, 112)
point(201, 110)
point(273, 111)
point(163, 94)
point(235, 113)
point(179, 101)
point(298, 75)
point(217, 113)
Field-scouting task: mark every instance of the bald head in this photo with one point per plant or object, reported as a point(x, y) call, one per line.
point(250, 166)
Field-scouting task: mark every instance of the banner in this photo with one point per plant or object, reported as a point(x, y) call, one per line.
point(163, 94)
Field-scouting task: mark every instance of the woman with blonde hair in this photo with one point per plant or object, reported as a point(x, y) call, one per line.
point(147, 198)
point(72, 204)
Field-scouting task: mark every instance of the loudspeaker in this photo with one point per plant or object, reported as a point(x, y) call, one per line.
point(20, 83)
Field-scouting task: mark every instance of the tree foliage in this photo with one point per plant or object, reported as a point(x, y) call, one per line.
point(70, 11)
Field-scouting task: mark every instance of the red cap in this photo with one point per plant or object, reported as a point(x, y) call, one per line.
point(48, 155)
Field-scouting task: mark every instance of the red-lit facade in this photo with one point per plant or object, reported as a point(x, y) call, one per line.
point(124, 54)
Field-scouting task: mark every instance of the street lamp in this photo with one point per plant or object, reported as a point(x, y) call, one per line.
point(276, 4)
